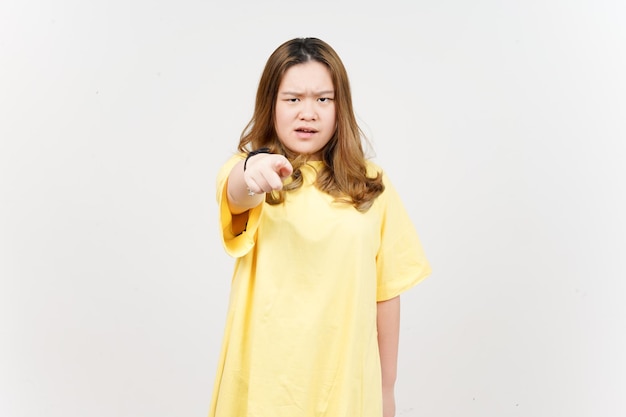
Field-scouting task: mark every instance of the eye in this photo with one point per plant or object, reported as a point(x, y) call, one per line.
point(325, 99)
point(292, 100)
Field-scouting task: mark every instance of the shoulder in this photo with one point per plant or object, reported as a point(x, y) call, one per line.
point(231, 161)
point(389, 194)
point(373, 169)
point(227, 166)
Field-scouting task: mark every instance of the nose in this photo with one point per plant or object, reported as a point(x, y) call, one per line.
point(307, 111)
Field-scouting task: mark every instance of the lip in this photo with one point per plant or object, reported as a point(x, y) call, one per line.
point(305, 129)
point(305, 132)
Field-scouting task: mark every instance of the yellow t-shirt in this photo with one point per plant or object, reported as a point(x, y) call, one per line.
point(300, 338)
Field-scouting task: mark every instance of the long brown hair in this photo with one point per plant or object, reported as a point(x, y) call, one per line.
point(344, 172)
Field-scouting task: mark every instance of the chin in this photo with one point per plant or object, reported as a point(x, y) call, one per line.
point(307, 152)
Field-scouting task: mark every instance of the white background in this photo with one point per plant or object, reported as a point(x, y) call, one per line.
point(501, 123)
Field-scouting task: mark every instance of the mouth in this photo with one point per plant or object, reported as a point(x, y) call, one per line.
point(307, 130)
point(305, 133)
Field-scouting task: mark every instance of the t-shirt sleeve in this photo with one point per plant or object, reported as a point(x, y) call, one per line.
point(400, 262)
point(235, 245)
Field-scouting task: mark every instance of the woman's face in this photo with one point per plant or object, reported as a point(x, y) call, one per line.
point(305, 118)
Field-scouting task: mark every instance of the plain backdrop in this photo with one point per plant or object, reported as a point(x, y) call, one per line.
point(501, 123)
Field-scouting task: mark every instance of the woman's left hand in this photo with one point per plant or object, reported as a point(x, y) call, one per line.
point(389, 403)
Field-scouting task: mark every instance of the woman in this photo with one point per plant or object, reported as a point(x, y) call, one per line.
point(323, 248)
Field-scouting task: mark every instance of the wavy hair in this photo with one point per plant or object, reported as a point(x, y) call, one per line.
point(344, 171)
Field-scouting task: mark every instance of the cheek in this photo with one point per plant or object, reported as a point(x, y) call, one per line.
point(332, 117)
point(282, 115)
point(278, 119)
point(282, 124)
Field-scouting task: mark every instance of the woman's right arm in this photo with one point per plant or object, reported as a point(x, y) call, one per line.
point(264, 173)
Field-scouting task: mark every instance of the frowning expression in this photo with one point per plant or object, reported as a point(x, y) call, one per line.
point(305, 118)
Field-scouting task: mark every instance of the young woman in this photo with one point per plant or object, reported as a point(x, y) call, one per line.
point(323, 248)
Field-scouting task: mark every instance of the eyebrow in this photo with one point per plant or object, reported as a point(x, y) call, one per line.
point(316, 93)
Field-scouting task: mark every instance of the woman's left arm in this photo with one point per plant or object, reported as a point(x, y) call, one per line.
point(388, 324)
